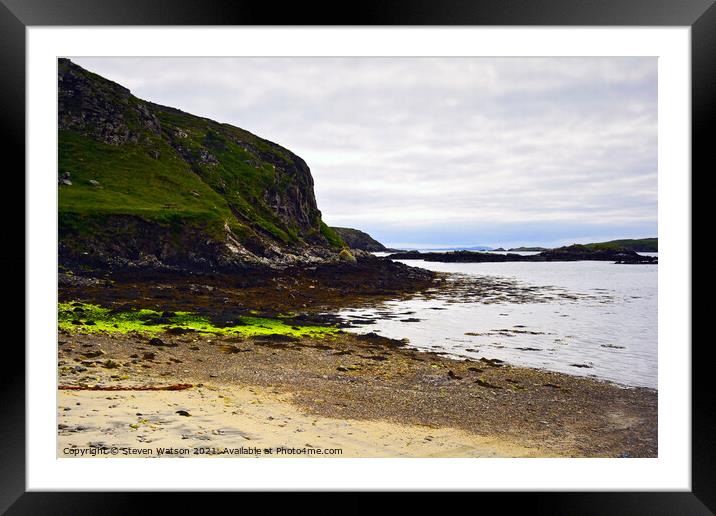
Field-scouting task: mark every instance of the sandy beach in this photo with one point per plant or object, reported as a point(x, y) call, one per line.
point(247, 422)
point(339, 396)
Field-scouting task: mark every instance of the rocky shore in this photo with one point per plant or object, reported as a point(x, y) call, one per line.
point(344, 383)
point(205, 362)
point(262, 290)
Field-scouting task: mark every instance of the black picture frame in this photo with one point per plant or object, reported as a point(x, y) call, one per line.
point(16, 15)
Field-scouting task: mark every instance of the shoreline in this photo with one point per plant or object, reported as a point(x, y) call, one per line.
point(369, 396)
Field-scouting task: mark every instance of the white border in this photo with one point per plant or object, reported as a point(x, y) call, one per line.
point(671, 470)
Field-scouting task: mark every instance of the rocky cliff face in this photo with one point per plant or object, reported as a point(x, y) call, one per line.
point(356, 239)
point(145, 183)
point(100, 109)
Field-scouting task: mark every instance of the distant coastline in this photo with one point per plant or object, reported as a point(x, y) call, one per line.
point(571, 253)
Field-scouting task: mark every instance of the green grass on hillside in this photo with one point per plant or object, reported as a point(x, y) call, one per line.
point(333, 238)
point(165, 190)
point(243, 179)
point(640, 244)
point(131, 182)
point(193, 171)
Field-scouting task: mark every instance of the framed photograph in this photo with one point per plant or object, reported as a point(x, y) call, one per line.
point(434, 249)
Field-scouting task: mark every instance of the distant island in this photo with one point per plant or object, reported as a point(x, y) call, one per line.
point(639, 245)
point(360, 240)
point(527, 249)
point(570, 253)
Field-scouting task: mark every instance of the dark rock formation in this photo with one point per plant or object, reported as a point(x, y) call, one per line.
point(580, 252)
point(562, 254)
point(99, 108)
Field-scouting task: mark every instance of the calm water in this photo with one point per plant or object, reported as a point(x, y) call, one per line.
point(608, 330)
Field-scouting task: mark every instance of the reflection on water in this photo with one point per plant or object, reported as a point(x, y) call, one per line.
point(584, 318)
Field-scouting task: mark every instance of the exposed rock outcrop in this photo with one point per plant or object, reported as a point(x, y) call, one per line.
point(96, 107)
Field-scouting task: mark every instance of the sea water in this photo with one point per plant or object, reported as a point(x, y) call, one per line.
point(607, 329)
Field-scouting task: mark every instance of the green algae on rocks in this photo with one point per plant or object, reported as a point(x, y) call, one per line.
point(79, 317)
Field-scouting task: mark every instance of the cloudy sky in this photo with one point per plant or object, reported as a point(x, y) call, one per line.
point(431, 152)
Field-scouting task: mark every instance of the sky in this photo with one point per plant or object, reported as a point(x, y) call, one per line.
point(440, 152)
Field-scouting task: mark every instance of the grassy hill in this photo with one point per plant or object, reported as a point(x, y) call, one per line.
point(357, 239)
point(132, 171)
point(640, 245)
